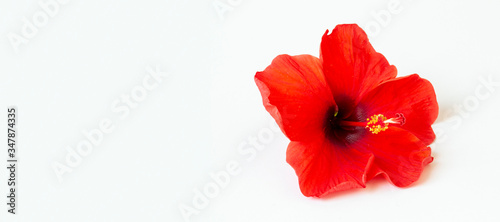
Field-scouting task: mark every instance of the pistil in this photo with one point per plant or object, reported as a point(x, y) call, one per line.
point(376, 123)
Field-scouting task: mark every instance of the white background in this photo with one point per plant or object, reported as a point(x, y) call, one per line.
point(65, 78)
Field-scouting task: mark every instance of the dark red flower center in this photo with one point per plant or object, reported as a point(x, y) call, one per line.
point(340, 134)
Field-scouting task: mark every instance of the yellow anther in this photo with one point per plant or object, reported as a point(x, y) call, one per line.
point(377, 123)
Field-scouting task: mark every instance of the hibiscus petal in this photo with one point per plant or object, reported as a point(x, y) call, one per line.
point(323, 168)
point(351, 66)
point(399, 155)
point(412, 96)
point(295, 93)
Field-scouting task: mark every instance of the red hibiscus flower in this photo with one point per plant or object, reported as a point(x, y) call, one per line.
point(347, 116)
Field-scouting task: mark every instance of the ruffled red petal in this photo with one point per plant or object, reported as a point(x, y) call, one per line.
point(412, 96)
point(323, 168)
point(295, 93)
point(399, 155)
point(352, 67)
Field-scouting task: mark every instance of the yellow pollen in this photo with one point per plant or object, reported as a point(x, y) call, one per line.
point(377, 123)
